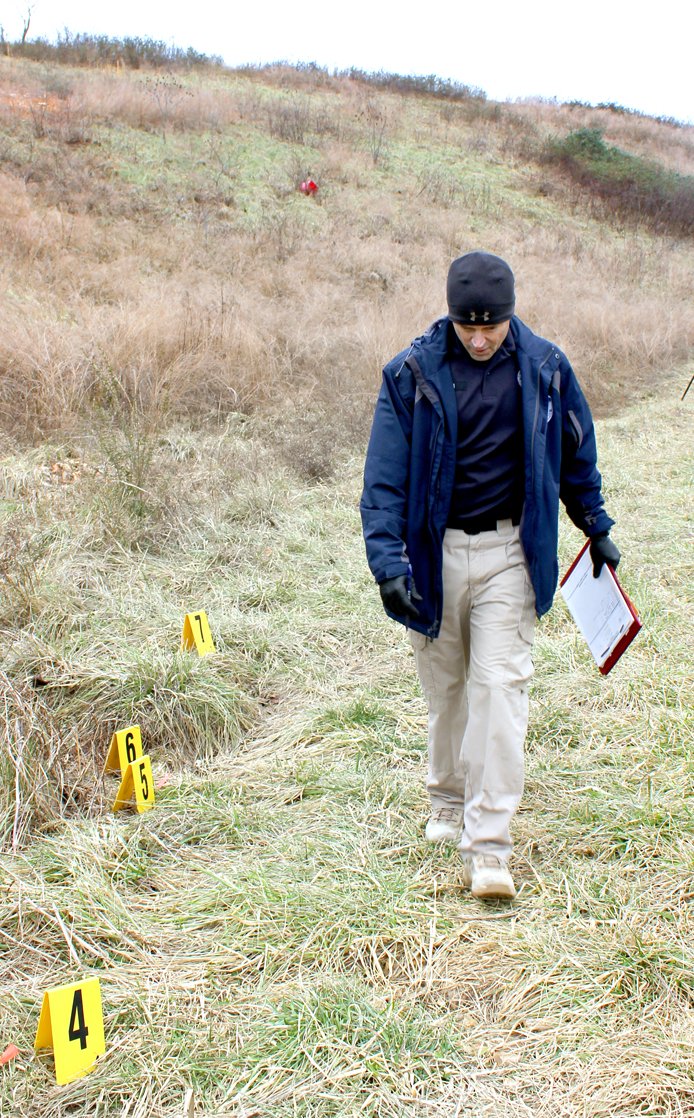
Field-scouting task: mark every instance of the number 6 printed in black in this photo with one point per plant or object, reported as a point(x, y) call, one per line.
point(130, 750)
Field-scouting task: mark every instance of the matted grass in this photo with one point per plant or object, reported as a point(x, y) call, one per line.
point(275, 934)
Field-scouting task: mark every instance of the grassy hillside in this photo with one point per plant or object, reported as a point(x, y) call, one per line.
point(158, 247)
point(188, 362)
point(276, 934)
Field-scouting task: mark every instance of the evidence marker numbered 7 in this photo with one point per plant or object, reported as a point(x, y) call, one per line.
point(196, 634)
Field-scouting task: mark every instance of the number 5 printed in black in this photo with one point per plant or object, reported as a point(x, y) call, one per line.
point(144, 783)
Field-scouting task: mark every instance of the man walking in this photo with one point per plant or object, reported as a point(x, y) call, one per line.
point(480, 428)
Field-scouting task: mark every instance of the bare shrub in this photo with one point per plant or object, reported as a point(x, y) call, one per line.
point(375, 118)
point(438, 186)
point(100, 50)
point(167, 92)
point(329, 124)
point(410, 84)
point(308, 444)
point(289, 119)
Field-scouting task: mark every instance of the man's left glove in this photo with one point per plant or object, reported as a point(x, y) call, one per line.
point(603, 550)
point(397, 599)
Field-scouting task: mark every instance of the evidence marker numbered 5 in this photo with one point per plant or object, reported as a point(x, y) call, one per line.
point(137, 785)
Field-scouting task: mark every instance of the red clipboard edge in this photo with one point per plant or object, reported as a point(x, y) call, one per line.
point(621, 645)
point(575, 562)
point(636, 624)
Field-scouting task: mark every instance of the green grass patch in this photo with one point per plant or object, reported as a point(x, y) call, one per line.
point(630, 187)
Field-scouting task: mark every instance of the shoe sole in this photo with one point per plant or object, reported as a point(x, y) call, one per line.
point(454, 839)
point(489, 891)
point(494, 892)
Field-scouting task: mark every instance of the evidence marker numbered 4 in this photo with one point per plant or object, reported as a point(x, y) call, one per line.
point(72, 1024)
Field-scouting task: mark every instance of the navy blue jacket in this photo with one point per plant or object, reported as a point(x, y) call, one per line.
point(410, 466)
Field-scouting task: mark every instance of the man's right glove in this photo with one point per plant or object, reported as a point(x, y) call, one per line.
point(603, 550)
point(397, 599)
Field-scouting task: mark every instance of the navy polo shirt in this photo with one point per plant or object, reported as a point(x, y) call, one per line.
point(488, 482)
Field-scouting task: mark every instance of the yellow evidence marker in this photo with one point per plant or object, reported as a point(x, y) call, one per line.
point(137, 781)
point(126, 746)
point(196, 633)
point(72, 1024)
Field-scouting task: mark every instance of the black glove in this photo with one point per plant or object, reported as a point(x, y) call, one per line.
point(397, 599)
point(603, 550)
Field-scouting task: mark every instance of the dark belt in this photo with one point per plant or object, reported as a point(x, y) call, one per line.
point(479, 524)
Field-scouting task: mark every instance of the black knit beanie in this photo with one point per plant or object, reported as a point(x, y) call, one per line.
point(480, 290)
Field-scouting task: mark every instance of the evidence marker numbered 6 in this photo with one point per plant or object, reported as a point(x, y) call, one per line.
point(72, 1024)
point(126, 746)
point(125, 755)
point(196, 634)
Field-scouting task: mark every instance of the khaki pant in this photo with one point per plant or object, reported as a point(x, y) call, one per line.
point(475, 678)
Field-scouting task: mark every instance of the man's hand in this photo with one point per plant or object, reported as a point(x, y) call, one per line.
point(397, 599)
point(603, 550)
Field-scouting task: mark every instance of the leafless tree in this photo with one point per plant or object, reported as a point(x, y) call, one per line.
point(27, 21)
point(4, 43)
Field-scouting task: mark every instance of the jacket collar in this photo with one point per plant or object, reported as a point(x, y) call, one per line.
point(529, 343)
point(430, 351)
point(431, 348)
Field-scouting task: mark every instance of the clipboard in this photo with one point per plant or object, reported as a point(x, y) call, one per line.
point(602, 611)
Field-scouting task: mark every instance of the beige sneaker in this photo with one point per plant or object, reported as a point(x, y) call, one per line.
point(487, 876)
point(445, 825)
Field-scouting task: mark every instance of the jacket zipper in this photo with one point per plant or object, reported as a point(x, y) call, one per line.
point(435, 400)
point(537, 412)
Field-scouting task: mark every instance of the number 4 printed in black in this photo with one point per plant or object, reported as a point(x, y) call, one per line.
point(77, 1029)
point(63, 1027)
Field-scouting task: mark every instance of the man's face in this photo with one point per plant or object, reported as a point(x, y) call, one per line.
point(482, 342)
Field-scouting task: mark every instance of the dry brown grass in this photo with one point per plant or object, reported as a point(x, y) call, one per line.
point(276, 935)
point(666, 143)
point(220, 289)
point(45, 774)
point(192, 335)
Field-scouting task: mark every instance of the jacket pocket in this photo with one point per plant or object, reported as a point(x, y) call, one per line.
point(576, 429)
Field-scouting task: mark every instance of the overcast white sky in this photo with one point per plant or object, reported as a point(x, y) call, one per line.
point(635, 54)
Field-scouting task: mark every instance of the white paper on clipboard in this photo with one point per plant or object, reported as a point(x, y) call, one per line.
point(598, 607)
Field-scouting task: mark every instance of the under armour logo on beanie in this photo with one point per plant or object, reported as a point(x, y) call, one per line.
point(480, 290)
